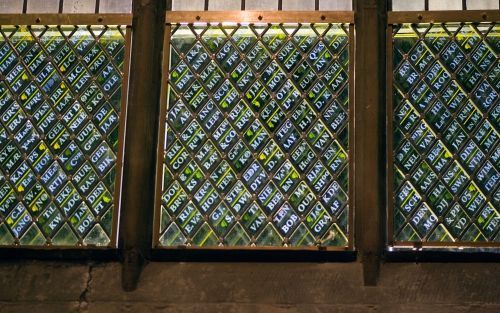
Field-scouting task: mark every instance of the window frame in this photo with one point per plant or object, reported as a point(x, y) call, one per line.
point(423, 17)
point(125, 21)
point(254, 17)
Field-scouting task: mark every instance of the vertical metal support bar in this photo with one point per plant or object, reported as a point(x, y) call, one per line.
point(25, 6)
point(121, 137)
point(61, 5)
point(389, 140)
point(161, 132)
point(280, 5)
point(97, 6)
point(369, 138)
point(352, 151)
point(141, 138)
point(426, 5)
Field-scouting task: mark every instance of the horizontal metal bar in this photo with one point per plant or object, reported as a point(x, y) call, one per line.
point(66, 19)
point(443, 16)
point(397, 244)
point(260, 17)
point(256, 248)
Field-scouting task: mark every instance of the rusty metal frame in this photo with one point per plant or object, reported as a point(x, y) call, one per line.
point(398, 17)
point(472, 16)
point(174, 17)
point(124, 20)
point(258, 17)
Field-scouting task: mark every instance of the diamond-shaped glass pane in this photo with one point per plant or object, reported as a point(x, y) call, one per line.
point(60, 102)
point(446, 133)
point(256, 150)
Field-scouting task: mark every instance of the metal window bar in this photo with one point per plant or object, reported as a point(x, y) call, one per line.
point(36, 26)
point(173, 18)
point(421, 21)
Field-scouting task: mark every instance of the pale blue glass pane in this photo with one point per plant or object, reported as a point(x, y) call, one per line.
point(188, 5)
point(442, 5)
point(224, 5)
point(79, 6)
point(482, 5)
point(298, 5)
point(333, 5)
point(11, 6)
point(45, 6)
point(261, 5)
point(408, 5)
point(115, 6)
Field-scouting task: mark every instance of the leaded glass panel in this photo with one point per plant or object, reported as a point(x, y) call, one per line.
point(255, 151)
point(446, 85)
point(60, 104)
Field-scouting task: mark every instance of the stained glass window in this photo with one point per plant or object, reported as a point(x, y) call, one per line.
point(256, 140)
point(60, 103)
point(446, 114)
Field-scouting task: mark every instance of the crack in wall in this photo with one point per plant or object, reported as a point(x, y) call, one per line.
point(82, 300)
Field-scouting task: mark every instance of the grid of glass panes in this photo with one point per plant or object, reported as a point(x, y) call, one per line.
point(60, 101)
point(256, 143)
point(446, 132)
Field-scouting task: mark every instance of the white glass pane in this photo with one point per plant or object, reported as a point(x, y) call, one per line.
point(261, 4)
point(11, 6)
point(435, 5)
point(298, 5)
point(408, 5)
point(222, 5)
point(115, 6)
point(482, 5)
point(79, 6)
point(188, 5)
point(44, 6)
point(332, 5)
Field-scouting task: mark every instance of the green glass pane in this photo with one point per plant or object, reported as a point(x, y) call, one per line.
point(256, 150)
point(446, 132)
point(60, 101)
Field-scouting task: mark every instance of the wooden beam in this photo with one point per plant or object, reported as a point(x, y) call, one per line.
point(369, 121)
point(141, 138)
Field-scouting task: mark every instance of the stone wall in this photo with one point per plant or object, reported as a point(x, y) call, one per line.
point(39, 287)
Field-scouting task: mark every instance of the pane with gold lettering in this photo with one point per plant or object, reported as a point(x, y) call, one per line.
point(446, 150)
point(60, 104)
point(256, 149)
